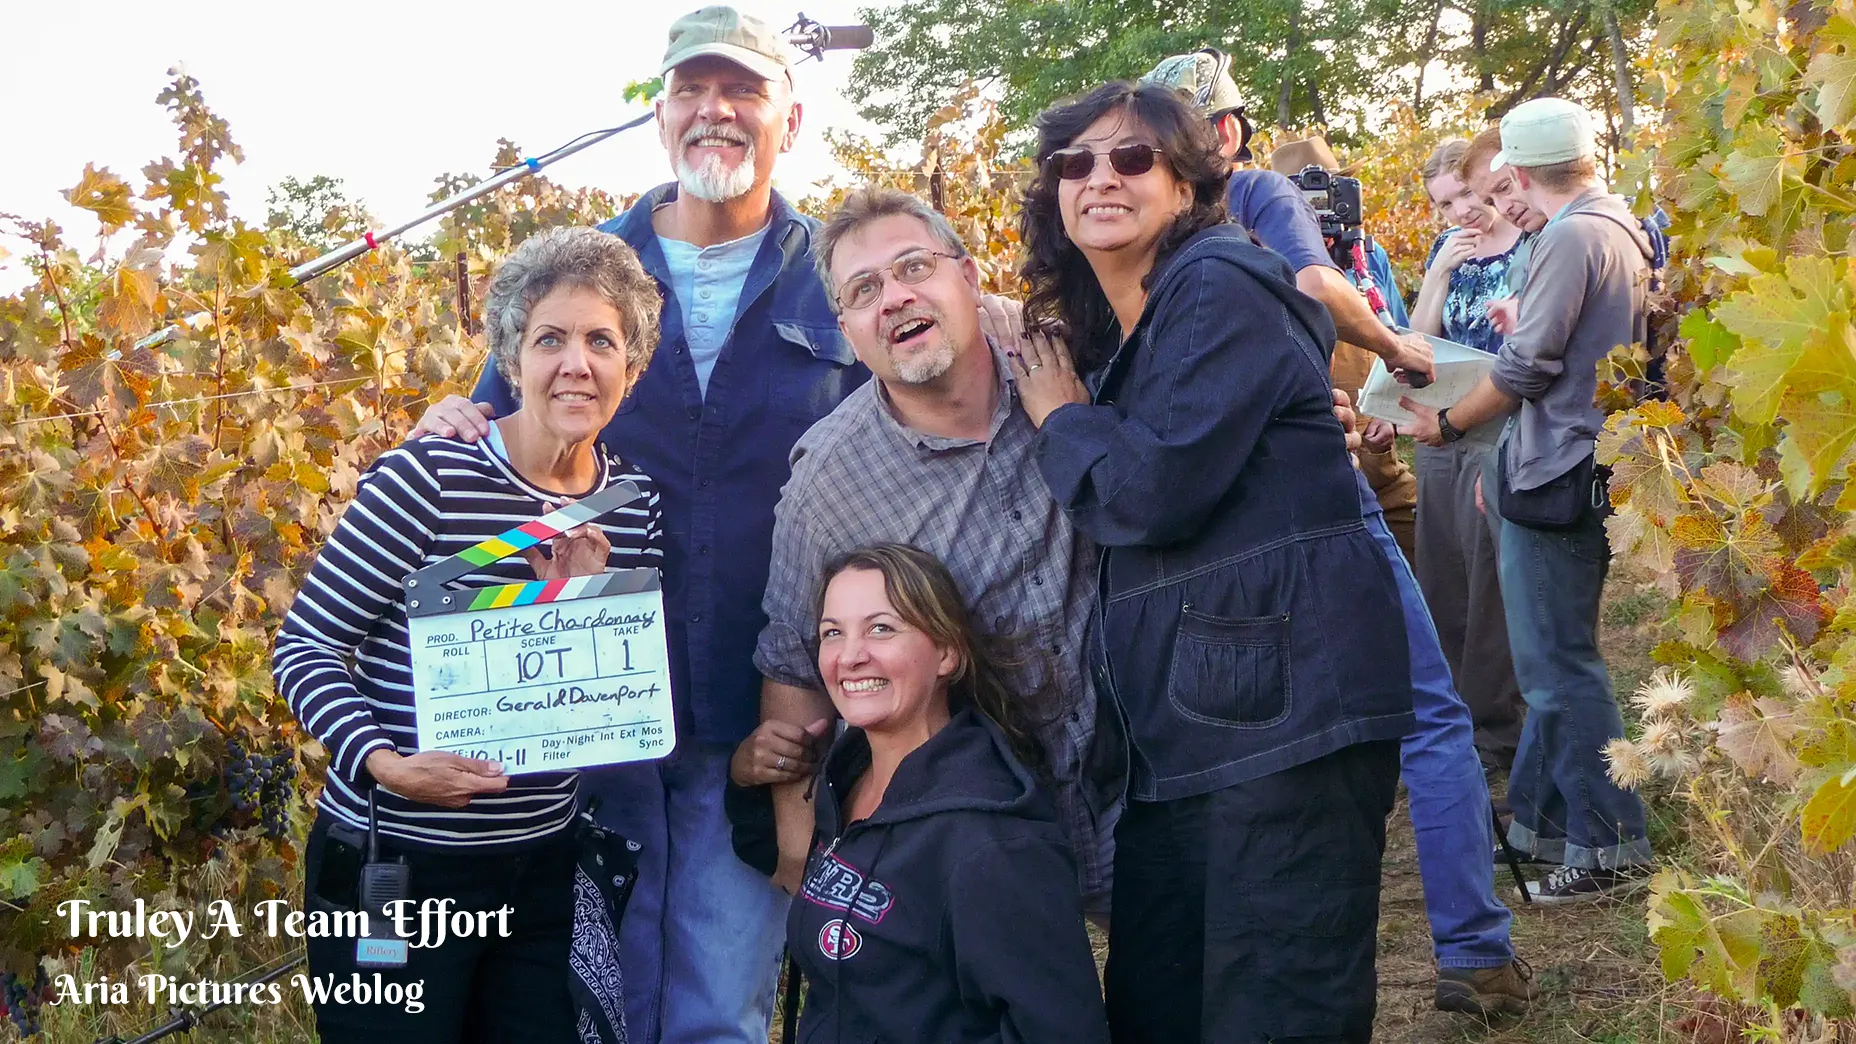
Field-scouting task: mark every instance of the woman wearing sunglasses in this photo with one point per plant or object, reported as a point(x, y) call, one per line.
point(1251, 627)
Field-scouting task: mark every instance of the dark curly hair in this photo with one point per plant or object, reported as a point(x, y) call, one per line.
point(1063, 287)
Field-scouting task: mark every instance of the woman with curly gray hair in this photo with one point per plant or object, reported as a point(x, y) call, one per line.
point(572, 320)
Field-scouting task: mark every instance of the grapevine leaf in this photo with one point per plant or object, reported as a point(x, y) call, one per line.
point(1709, 343)
point(1829, 817)
point(105, 195)
point(1784, 954)
point(1791, 606)
point(128, 305)
point(1756, 734)
point(1783, 314)
point(20, 870)
point(1822, 428)
point(1731, 564)
point(1756, 169)
point(176, 468)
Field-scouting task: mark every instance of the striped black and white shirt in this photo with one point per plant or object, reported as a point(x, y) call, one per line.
point(343, 661)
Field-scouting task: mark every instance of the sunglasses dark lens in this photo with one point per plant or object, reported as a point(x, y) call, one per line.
point(1071, 164)
point(1132, 160)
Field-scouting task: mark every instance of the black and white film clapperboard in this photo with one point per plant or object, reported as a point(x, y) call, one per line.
point(546, 675)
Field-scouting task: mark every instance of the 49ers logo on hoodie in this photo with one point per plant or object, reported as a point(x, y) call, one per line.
point(838, 940)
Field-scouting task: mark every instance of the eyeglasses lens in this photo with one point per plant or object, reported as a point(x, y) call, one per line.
point(1130, 161)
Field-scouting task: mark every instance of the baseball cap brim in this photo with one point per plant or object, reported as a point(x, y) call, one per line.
point(758, 64)
point(1498, 161)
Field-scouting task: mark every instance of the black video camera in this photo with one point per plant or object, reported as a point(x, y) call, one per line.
point(1338, 208)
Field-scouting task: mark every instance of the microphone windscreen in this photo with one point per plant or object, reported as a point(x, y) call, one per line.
point(848, 37)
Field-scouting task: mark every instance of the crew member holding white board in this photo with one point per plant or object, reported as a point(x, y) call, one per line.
point(572, 320)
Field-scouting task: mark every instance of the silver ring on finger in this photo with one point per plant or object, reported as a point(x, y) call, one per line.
point(1034, 367)
point(781, 763)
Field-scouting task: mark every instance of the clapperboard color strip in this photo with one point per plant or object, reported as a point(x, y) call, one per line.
point(536, 592)
point(521, 538)
point(528, 534)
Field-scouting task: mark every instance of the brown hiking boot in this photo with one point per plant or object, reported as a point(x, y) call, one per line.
point(1488, 992)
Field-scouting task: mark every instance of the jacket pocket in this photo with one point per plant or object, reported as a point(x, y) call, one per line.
point(1231, 671)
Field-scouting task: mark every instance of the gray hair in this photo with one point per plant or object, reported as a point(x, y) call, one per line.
point(874, 203)
point(576, 257)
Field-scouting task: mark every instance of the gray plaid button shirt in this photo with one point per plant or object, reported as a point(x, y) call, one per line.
point(860, 477)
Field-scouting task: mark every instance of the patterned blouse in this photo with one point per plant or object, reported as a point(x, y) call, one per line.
point(1473, 284)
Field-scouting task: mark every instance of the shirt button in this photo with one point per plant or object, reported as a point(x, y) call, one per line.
point(702, 317)
point(695, 618)
point(694, 413)
point(703, 550)
point(704, 295)
point(702, 483)
point(1038, 580)
point(1016, 515)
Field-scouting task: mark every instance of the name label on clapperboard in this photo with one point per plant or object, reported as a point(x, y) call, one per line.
point(546, 675)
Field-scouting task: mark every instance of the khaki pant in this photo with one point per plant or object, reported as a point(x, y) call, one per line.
point(1391, 478)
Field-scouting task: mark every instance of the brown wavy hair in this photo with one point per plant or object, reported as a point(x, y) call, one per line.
point(925, 595)
point(1063, 288)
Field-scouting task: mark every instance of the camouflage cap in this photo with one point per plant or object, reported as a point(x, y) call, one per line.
point(1204, 77)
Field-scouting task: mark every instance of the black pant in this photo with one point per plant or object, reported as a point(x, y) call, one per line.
point(505, 990)
point(1250, 914)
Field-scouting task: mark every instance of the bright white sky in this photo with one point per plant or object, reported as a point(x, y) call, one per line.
point(385, 95)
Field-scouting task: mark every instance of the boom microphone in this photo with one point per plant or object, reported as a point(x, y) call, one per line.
point(815, 39)
point(846, 37)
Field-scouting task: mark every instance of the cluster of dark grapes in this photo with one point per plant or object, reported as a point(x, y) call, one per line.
point(260, 784)
point(22, 1004)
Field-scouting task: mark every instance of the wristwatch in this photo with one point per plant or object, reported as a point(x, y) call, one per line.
point(1449, 431)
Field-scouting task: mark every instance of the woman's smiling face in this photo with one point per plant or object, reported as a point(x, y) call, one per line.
point(882, 673)
point(1108, 211)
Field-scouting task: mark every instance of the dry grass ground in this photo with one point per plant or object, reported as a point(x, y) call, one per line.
point(1595, 966)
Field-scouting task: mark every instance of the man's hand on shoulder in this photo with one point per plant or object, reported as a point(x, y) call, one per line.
point(455, 417)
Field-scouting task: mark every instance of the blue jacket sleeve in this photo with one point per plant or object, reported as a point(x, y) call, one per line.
point(1270, 207)
point(1223, 359)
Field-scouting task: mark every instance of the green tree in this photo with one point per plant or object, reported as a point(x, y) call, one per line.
point(1334, 63)
point(316, 213)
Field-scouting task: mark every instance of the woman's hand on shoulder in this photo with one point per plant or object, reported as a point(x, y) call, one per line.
point(778, 752)
point(581, 551)
point(436, 777)
point(1045, 374)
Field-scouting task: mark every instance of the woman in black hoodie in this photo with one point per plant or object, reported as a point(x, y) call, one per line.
point(940, 901)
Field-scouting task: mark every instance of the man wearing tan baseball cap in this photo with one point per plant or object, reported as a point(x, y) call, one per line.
point(750, 355)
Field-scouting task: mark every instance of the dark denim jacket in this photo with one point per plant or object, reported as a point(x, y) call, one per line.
point(720, 463)
point(1250, 622)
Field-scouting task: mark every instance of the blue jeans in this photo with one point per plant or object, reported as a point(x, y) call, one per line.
point(701, 940)
point(1448, 793)
point(1566, 809)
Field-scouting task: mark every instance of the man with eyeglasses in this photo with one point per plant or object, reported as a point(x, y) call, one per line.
point(750, 357)
point(935, 452)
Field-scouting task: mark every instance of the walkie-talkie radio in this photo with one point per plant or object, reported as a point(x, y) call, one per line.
point(381, 883)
